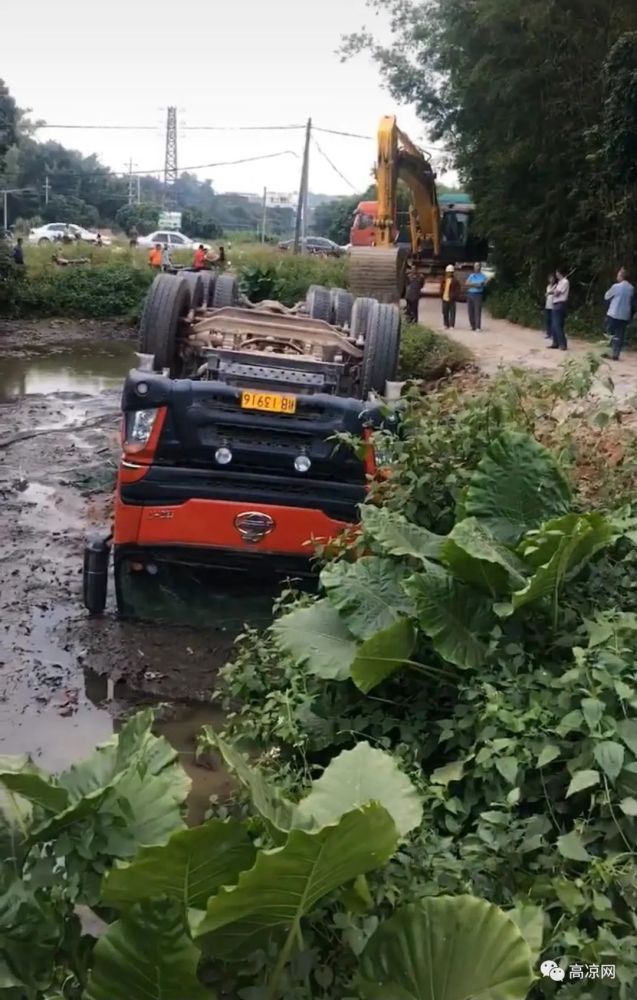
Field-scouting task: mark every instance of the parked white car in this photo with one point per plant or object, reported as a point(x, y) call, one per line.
point(53, 231)
point(171, 237)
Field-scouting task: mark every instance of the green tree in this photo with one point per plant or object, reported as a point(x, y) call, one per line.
point(142, 217)
point(513, 89)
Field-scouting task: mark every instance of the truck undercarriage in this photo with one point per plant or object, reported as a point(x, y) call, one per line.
point(247, 432)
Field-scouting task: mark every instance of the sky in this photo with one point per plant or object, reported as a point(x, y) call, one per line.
point(231, 63)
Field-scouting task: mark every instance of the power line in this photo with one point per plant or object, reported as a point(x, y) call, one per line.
point(334, 167)
point(157, 170)
point(350, 135)
point(183, 128)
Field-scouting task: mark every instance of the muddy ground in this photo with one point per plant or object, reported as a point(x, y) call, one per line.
point(66, 680)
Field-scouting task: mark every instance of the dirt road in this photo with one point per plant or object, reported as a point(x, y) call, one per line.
point(503, 344)
point(66, 679)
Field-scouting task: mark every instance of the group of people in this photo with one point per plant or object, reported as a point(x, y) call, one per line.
point(620, 311)
point(450, 295)
point(159, 258)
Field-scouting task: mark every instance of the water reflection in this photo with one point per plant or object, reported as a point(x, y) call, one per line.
point(78, 368)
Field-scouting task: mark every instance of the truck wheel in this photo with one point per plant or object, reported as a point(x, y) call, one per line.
point(319, 303)
point(361, 312)
point(382, 344)
point(167, 302)
point(208, 282)
point(342, 304)
point(226, 291)
point(196, 288)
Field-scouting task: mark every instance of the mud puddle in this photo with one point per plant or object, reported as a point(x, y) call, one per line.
point(83, 369)
point(67, 681)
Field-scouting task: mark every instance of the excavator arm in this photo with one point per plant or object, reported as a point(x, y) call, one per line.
point(380, 271)
point(399, 159)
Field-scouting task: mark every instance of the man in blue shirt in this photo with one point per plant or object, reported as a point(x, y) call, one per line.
point(475, 285)
point(621, 297)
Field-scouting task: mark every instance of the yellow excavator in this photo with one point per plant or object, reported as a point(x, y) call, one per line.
point(440, 232)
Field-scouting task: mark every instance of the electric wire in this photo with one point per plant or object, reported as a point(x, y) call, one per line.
point(333, 166)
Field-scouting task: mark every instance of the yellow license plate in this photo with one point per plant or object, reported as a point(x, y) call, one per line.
point(270, 402)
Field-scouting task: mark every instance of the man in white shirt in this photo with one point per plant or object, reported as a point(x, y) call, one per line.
point(560, 302)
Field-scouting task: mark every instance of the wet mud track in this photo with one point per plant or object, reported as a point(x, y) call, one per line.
point(66, 679)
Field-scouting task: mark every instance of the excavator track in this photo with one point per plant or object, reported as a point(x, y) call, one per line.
point(378, 273)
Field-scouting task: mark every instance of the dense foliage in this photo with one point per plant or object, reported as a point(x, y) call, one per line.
point(536, 105)
point(227, 903)
point(482, 629)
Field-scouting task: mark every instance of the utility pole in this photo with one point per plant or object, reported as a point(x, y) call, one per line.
point(130, 181)
point(302, 202)
point(170, 162)
point(139, 189)
point(4, 204)
point(47, 188)
point(264, 217)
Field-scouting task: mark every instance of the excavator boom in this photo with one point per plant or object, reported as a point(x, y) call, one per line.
point(379, 271)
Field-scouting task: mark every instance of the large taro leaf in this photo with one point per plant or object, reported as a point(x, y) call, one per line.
point(270, 803)
point(447, 948)
point(286, 883)
point(397, 536)
point(475, 556)
point(355, 778)
point(368, 593)
point(147, 955)
point(189, 868)
point(16, 812)
point(457, 618)
point(383, 654)
point(318, 638)
point(132, 786)
point(517, 485)
point(30, 937)
point(558, 551)
point(28, 782)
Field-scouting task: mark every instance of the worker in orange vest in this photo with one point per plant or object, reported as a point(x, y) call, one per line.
point(199, 259)
point(154, 257)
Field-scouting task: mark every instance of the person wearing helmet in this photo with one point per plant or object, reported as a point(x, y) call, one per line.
point(449, 295)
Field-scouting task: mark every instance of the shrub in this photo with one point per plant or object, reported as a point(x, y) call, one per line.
point(426, 355)
point(89, 292)
point(523, 306)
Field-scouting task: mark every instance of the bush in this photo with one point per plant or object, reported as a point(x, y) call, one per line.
point(525, 307)
point(116, 289)
point(265, 274)
point(426, 355)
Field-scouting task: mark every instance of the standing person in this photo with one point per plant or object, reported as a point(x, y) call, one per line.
point(412, 295)
point(199, 258)
point(475, 285)
point(621, 310)
point(133, 236)
point(561, 295)
point(155, 257)
point(18, 253)
point(449, 294)
point(548, 306)
point(166, 262)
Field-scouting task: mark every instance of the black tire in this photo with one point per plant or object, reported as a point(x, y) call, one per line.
point(196, 288)
point(382, 345)
point(208, 279)
point(342, 305)
point(226, 291)
point(319, 303)
point(43, 241)
point(359, 322)
point(167, 301)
